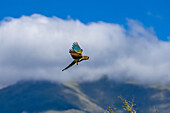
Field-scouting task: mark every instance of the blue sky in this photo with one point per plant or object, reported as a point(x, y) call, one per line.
point(153, 13)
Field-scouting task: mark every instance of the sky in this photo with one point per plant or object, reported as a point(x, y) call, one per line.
point(153, 13)
point(124, 40)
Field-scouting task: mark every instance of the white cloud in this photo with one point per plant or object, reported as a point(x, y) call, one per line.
point(36, 47)
point(154, 15)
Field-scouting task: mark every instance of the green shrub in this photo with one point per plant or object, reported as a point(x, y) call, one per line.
point(127, 106)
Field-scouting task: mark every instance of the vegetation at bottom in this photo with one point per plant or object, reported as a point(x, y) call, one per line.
point(127, 106)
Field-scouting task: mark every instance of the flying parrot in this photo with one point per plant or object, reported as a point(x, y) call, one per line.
point(76, 53)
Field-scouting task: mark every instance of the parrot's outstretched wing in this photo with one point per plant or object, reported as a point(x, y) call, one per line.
point(77, 48)
point(74, 54)
point(70, 65)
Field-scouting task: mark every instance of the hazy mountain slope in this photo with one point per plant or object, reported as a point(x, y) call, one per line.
point(42, 96)
point(66, 111)
point(34, 97)
point(85, 104)
point(86, 97)
point(105, 92)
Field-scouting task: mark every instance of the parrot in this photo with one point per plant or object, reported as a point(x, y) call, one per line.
point(76, 53)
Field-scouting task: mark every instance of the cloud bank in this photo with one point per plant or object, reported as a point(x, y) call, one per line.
point(36, 48)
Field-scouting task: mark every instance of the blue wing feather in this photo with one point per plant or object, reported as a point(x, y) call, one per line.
point(76, 47)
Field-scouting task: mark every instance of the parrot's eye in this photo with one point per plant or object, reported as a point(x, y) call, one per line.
point(81, 49)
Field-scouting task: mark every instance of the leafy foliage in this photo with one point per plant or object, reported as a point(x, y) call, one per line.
point(128, 106)
point(154, 110)
point(111, 109)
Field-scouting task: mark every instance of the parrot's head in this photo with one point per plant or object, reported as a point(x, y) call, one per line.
point(85, 57)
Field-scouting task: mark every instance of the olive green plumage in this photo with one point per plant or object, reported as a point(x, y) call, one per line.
point(76, 53)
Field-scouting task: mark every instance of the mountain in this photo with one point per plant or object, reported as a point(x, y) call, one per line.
point(105, 92)
point(85, 97)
